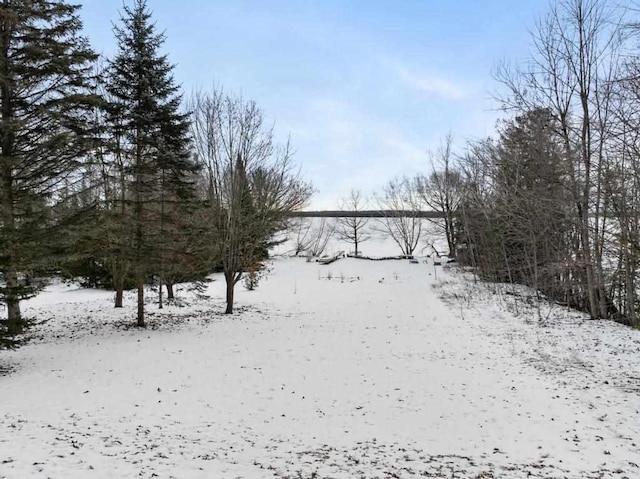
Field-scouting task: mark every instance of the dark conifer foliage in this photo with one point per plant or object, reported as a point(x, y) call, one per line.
point(45, 103)
point(517, 223)
point(153, 144)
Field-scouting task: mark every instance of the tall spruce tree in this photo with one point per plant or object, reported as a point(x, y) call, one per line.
point(531, 207)
point(153, 140)
point(45, 65)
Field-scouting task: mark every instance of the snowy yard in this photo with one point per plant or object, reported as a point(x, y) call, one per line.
point(381, 371)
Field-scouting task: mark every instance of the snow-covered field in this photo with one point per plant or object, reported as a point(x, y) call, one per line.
point(358, 369)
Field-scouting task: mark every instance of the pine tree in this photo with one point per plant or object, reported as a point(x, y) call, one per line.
point(154, 138)
point(45, 65)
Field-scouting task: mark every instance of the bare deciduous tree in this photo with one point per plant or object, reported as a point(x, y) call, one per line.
point(401, 204)
point(352, 228)
point(442, 191)
point(300, 235)
point(250, 184)
point(320, 234)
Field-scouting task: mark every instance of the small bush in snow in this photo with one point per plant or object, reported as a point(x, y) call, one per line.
point(252, 279)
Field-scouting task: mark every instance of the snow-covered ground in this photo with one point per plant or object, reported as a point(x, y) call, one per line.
point(358, 369)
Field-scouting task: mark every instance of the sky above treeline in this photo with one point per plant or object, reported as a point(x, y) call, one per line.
point(364, 88)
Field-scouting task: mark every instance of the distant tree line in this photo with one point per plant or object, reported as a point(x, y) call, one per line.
point(110, 175)
point(402, 207)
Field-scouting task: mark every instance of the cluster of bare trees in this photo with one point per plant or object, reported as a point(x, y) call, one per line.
point(404, 200)
point(397, 211)
point(311, 238)
point(553, 201)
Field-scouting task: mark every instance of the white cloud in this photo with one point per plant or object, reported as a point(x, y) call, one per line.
point(429, 83)
point(341, 147)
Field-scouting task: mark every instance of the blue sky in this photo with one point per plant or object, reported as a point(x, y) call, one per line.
point(364, 88)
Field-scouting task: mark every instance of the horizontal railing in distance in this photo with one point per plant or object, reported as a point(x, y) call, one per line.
point(366, 214)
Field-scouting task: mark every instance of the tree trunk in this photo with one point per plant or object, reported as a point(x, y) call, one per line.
point(170, 294)
point(592, 287)
point(449, 233)
point(229, 278)
point(159, 293)
point(118, 283)
point(140, 322)
point(119, 295)
point(14, 317)
point(15, 324)
point(630, 299)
